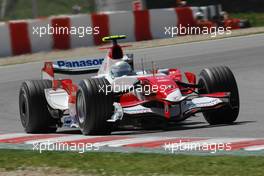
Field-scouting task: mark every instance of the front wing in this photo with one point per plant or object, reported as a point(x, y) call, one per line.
point(183, 109)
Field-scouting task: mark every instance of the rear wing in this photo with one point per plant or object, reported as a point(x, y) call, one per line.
point(75, 67)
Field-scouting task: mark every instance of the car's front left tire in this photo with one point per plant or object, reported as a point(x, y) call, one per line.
point(94, 106)
point(33, 107)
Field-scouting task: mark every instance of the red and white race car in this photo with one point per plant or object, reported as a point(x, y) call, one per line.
point(119, 94)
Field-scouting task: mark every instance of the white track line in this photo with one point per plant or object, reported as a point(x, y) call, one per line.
point(14, 135)
point(134, 140)
point(254, 148)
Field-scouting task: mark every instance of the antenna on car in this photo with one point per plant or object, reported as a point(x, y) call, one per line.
point(142, 65)
point(154, 68)
point(152, 63)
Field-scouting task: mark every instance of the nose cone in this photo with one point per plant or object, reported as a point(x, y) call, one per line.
point(167, 88)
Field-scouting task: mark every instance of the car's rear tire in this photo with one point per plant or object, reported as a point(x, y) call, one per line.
point(33, 107)
point(94, 107)
point(220, 79)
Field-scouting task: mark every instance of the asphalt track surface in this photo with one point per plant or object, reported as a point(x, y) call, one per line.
point(244, 55)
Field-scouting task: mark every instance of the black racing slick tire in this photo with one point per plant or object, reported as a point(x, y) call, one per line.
point(94, 106)
point(220, 79)
point(33, 107)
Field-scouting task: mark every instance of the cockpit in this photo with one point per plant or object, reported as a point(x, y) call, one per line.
point(121, 68)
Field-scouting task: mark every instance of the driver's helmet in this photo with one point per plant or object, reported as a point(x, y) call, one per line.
point(121, 68)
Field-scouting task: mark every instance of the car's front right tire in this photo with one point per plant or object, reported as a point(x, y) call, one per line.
point(94, 106)
point(220, 79)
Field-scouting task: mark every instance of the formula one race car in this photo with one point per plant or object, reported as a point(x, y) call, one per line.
point(119, 93)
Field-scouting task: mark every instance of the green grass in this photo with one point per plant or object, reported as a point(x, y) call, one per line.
point(256, 19)
point(22, 9)
point(134, 164)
